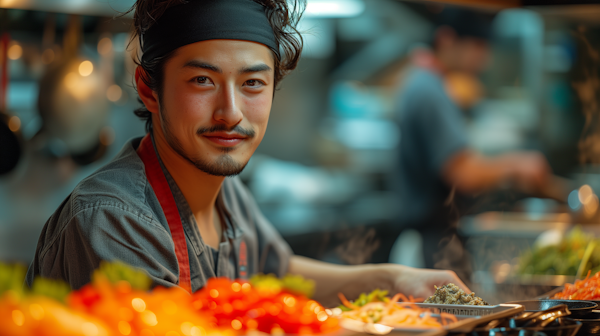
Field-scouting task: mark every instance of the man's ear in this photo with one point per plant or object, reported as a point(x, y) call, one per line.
point(148, 97)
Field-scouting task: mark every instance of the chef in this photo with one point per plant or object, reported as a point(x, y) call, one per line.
point(170, 202)
point(437, 168)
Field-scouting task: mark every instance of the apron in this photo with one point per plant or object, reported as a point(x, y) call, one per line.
point(159, 184)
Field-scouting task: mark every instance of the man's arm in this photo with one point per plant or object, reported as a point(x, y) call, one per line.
point(471, 172)
point(331, 279)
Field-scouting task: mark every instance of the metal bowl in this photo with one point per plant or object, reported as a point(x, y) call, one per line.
point(565, 327)
point(588, 326)
point(579, 309)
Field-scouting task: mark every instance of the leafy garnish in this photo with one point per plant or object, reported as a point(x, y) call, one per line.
point(377, 295)
point(116, 271)
point(55, 289)
point(295, 284)
point(12, 278)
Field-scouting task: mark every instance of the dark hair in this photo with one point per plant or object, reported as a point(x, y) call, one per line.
point(283, 16)
point(466, 22)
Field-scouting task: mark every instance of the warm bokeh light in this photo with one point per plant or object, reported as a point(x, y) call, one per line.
point(149, 318)
point(105, 46)
point(15, 52)
point(146, 332)
point(585, 192)
point(14, 123)
point(138, 304)
point(86, 68)
point(48, 56)
point(198, 331)
point(114, 93)
point(90, 329)
point(36, 311)
point(124, 328)
point(591, 206)
point(18, 317)
point(80, 87)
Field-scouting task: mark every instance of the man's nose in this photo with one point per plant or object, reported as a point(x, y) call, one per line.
point(228, 109)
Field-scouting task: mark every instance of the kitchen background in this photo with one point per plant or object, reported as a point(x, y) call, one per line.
point(322, 172)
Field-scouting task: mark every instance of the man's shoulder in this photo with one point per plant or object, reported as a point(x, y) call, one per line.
point(120, 183)
point(422, 82)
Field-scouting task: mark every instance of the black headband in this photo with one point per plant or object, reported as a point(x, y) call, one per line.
point(201, 20)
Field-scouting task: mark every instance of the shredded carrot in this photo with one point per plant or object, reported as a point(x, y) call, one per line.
point(446, 316)
point(347, 303)
point(396, 314)
point(586, 289)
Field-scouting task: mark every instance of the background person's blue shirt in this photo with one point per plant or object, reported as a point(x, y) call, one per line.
point(432, 131)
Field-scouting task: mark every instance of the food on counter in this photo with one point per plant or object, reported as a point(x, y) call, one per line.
point(563, 258)
point(43, 316)
point(265, 304)
point(376, 307)
point(586, 289)
point(451, 294)
point(118, 302)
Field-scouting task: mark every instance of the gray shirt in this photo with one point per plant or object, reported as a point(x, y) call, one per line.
point(433, 130)
point(114, 215)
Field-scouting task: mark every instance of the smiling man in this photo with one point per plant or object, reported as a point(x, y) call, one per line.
point(169, 202)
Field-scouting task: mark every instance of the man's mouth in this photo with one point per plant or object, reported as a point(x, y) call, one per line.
point(225, 139)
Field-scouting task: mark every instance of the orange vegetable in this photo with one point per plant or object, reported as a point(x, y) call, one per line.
point(268, 309)
point(42, 316)
point(586, 289)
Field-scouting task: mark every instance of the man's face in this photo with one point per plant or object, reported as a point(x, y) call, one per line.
point(472, 54)
point(215, 103)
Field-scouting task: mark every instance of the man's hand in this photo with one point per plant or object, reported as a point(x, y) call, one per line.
point(420, 282)
point(332, 279)
point(529, 170)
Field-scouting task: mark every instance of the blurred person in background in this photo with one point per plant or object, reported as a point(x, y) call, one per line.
point(437, 169)
point(164, 204)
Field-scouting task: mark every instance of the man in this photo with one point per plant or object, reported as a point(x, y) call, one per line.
point(437, 168)
point(207, 78)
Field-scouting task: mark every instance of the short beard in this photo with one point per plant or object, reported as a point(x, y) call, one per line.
point(225, 165)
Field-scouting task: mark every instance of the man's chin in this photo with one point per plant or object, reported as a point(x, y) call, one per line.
point(224, 165)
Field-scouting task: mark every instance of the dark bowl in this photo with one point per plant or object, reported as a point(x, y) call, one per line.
point(566, 327)
point(579, 309)
point(588, 326)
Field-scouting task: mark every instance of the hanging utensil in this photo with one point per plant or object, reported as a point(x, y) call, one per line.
point(10, 135)
point(72, 102)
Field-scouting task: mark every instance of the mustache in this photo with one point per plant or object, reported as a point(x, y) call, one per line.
point(250, 133)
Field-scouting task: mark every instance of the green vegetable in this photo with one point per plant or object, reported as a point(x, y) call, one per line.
point(12, 278)
point(377, 295)
point(55, 289)
point(562, 259)
point(116, 271)
point(294, 284)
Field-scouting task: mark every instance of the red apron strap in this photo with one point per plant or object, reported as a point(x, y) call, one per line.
point(161, 188)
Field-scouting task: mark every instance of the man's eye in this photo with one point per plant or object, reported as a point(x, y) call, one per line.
point(253, 82)
point(203, 80)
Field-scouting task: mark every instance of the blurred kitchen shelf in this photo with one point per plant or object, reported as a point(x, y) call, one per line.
point(517, 224)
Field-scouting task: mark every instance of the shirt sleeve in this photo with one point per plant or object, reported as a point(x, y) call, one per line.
point(273, 251)
point(440, 125)
point(107, 232)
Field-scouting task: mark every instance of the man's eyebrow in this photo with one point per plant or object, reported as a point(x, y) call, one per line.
point(202, 65)
point(256, 68)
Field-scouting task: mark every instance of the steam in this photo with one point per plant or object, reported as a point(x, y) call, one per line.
point(588, 91)
point(359, 245)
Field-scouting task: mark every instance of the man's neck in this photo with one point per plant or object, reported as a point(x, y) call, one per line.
point(432, 61)
point(199, 188)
